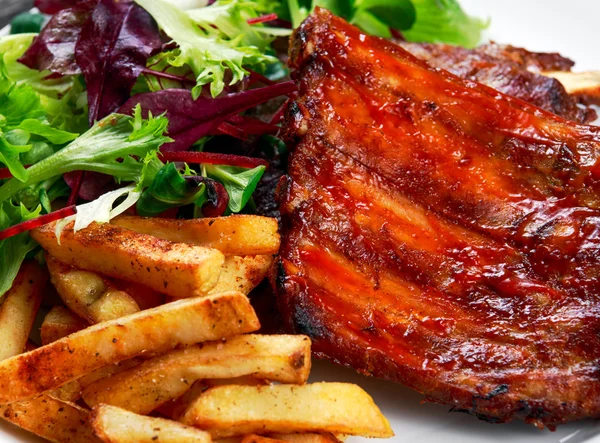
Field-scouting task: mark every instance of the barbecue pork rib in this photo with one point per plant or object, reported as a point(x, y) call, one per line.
point(439, 233)
point(513, 71)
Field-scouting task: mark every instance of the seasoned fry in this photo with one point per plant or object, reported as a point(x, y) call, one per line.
point(254, 438)
point(283, 358)
point(320, 407)
point(160, 329)
point(243, 273)
point(145, 297)
point(59, 323)
point(88, 295)
point(233, 235)
point(116, 425)
point(174, 409)
point(19, 308)
point(176, 269)
point(51, 419)
point(307, 438)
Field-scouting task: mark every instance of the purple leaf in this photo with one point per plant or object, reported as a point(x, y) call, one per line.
point(190, 119)
point(112, 51)
point(54, 47)
point(93, 186)
point(53, 6)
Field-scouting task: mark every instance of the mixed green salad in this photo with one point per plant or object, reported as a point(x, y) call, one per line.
point(109, 106)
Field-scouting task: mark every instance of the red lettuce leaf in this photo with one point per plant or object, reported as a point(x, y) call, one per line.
point(112, 50)
point(93, 185)
point(54, 47)
point(190, 120)
point(53, 6)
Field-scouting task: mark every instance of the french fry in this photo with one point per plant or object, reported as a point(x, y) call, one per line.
point(59, 323)
point(174, 409)
point(243, 273)
point(19, 308)
point(233, 235)
point(145, 297)
point(51, 419)
point(116, 425)
point(176, 269)
point(307, 438)
point(161, 329)
point(283, 358)
point(227, 411)
point(254, 438)
point(88, 295)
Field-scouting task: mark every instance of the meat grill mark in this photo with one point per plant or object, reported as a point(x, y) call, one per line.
point(439, 233)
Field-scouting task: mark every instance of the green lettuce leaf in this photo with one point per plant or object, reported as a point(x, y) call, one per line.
point(208, 52)
point(13, 47)
point(240, 183)
point(444, 21)
point(117, 145)
point(13, 250)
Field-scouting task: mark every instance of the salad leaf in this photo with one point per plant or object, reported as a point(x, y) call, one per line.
point(53, 135)
point(190, 120)
point(101, 210)
point(53, 6)
point(13, 250)
point(54, 48)
point(70, 111)
point(116, 145)
point(240, 183)
point(26, 22)
point(208, 54)
point(444, 21)
point(112, 50)
point(169, 190)
point(13, 47)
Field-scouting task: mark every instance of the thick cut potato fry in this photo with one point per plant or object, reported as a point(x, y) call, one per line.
point(243, 273)
point(307, 438)
point(145, 297)
point(51, 419)
point(116, 425)
point(161, 329)
point(59, 323)
point(176, 269)
point(343, 408)
point(233, 235)
point(19, 308)
point(87, 294)
point(254, 438)
point(283, 358)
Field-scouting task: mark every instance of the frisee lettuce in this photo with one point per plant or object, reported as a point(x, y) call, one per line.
point(209, 53)
point(117, 145)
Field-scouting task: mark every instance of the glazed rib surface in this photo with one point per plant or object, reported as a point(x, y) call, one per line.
point(510, 70)
point(439, 233)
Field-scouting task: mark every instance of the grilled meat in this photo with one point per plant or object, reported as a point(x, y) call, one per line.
point(508, 70)
point(439, 233)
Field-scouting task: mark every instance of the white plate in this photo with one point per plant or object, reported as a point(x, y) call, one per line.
point(571, 28)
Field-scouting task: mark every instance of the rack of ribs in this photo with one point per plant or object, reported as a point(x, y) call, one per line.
point(439, 233)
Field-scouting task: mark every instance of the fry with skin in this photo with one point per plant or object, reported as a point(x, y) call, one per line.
point(227, 411)
point(59, 323)
point(145, 297)
point(51, 419)
point(177, 269)
point(19, 307)
point(283, 358)
point(116, 425)
point(161, 329)
point(232, 235)
point(243, 273)
point(255, 438)
point(307, 438)
point(87, 294)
